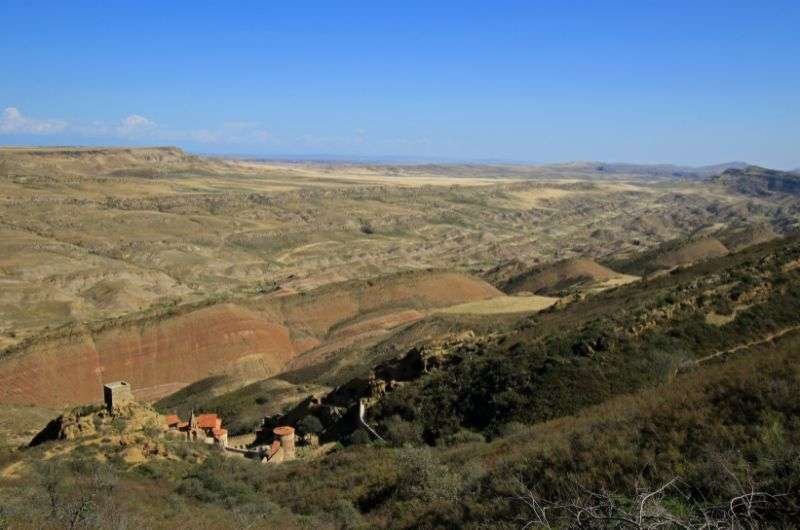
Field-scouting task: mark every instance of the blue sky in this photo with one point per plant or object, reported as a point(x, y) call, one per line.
point(543, 81)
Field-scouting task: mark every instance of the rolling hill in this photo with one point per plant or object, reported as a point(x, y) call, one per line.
point(676, 253)
point(249, 339)
point(553, 278)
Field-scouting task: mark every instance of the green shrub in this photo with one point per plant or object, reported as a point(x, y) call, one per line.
point(309, 425)
point(225, 481)
point(464, 436)
point(400, 432)
point(345, 515)
point(359, 437)
point(420, 476)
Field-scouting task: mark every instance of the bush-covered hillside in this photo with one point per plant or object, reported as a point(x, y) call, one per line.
point(719, 443)
point(616, 343)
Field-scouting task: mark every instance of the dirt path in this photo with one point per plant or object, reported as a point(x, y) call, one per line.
point(769, 338)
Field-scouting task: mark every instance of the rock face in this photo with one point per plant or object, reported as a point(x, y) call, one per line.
point(84, 422)
point(179, 350)
point(254, 339)
point(132, 434)
point(66, 427)
point(337, 411)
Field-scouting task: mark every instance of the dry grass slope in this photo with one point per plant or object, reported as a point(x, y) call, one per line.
point(502, 305)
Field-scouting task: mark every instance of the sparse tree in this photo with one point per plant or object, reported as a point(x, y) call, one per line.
point(647, 509)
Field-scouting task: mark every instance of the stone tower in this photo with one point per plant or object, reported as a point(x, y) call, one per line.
point(117, 394)
point(285, 435)
point(192, 432)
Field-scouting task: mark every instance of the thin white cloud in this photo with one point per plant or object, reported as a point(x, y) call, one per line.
point(12, 121)
point(135, 124)
point(139, 128)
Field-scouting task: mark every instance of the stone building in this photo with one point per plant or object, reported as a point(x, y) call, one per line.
point(117, 394)
point(205, 427)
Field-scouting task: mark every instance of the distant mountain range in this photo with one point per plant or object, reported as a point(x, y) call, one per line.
point(499, 168)
point(655, 170)
point(595, 170)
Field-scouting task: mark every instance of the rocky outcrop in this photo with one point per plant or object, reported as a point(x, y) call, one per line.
point(85, 422)
point(337, 412)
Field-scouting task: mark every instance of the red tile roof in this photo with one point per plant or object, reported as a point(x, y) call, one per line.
point(283, 430)
point(208, 421)
point(172, 419)
point(183, 425)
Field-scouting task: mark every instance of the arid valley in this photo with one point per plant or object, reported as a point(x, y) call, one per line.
point(162, 268)
point(291, 293)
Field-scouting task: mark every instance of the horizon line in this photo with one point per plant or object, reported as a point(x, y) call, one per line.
point(392, 159)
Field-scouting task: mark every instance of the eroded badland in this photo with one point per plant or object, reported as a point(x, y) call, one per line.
point(503, 315)
point(150, 263)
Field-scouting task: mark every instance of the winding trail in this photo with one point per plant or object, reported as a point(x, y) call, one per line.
point(363, 421)
point(722, 353)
